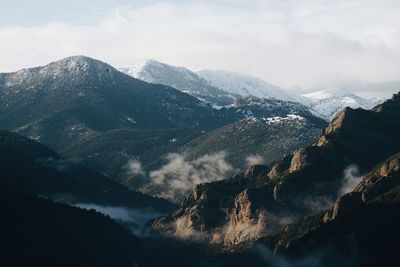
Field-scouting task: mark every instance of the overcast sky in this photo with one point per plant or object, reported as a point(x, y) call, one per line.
point(298, 44)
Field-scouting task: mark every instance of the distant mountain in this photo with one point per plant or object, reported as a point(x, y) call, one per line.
point(219, 88)
point(268, 137)
point(183, 79)
point(245, 85)
point(77, 97)
point(264, 107)
point(329, 102)
point(262, 199)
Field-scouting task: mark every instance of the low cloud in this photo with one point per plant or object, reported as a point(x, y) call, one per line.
point(59, 165)
point(185, 232)
point(180, 175)
point(134, 173)
point(135, 168)
point(275, 260)
point(319, 257)
point(135, 219)
point(351, 178)
point(254, 160)
point(318, 203)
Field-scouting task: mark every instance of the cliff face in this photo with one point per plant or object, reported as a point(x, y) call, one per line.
point(361, 225)
point(380, 180)
point(260, 200)
point(354, 137)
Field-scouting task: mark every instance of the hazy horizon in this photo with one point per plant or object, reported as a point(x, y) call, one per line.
point(301, 46)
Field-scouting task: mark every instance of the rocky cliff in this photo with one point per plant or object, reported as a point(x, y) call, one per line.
point(260, 200)
point(359, 229)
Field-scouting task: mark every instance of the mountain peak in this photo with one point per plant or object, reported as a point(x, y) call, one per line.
point(79, 63)
point(330, 101)
point(74, 67)
point(151, 70)
point(139, 65)
point(78, 58)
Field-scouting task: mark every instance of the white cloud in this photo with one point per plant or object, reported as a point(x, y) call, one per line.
point(135, 168)
point(291, 43)
point(351, 179)
point(180, 175)
point(136, 219)
point(254, 160)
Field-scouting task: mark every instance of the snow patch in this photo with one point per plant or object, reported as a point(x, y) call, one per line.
point(279, 119)
point(131, 120)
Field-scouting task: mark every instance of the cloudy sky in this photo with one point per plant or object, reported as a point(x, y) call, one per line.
point(301, 45)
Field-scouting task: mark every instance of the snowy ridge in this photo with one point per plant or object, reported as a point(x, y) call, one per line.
point(75, 66)
point(180, 78)
point(152, 71)
point(329, 102)
point(137, 71)
point(224, 88)
point(219, 88)
point(244, 85)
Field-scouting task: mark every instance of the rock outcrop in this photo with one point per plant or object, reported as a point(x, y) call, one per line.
point(359, 229)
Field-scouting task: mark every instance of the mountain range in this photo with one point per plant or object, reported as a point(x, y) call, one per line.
point(97, 116)
point(77, 97)
point(206, 168)
point(216, 87)
point(221, 88)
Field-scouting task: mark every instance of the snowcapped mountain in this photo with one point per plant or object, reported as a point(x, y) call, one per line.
point(224, 88)
point(245, 85)
point(180, 78)
point(216, 87)
point(330, 101)
point(77, 97)
point(152, 71)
